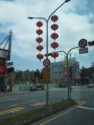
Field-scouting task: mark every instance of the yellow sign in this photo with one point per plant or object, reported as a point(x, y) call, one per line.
point(46, 74)
point(70, 63)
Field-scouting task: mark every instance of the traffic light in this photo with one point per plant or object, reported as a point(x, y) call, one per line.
point(46, 75)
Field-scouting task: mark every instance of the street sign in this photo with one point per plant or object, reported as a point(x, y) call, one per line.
point(46, 62)
point(46, 75)
point(9, 64)
point(10, 70)
point(82, 43)
point(4, 53)
point(2, 61)
point(83, 50)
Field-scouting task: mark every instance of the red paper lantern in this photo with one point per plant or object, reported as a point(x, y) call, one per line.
point(39, 56)
point(39, 39)
point(54, 45)
point(54, 18)
point(54, 27)
point(39, 23)
point(39, 31)
point(54, 54)
point(54, 35)
point(39, 47)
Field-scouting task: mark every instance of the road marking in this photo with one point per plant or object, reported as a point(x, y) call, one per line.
point(58, 116)
point(80, 102)
point(38, 104)
point(22, 103)
point(86, 108)
point(13, 105)
point(5, 112)
point(8, 100)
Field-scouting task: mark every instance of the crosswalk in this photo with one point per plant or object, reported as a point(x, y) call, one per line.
point(18, 109)
point(10, 111)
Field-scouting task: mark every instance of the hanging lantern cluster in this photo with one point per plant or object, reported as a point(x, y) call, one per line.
point(39, 39)
point(54, 36)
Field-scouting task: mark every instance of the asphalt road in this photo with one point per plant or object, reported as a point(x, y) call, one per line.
point(74, 116)
point(18, 103)
point(81, 114)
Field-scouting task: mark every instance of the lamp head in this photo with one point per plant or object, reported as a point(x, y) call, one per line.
point(30, 17)
point(67, 0)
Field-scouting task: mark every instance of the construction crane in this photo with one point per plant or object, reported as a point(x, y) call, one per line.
point(6, 43)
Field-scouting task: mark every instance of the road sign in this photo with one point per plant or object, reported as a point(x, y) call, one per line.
point(9, 64)
point(46, 75)
point(82, 43)
point(83, 50)
point(46, 62)
point(2, 61)
point(4, 53)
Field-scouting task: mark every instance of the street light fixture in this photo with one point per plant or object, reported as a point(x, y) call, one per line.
point(67, 0)
point(47, 20)
point(67, 54)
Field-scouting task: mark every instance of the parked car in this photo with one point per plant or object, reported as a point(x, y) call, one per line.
point(33, 88)
point(63, 84)
point(40, 87)
point(90, 85)
point(37, 87)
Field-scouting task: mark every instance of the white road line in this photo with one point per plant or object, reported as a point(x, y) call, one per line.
point(13, 105)
point(88, 108)
point(8, 100)
point(22, 103)
point(58, 116)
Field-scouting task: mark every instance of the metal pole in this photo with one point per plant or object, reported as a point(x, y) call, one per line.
point(68, 77)
point(67, 53)
point(69, 90)
point(47, 92)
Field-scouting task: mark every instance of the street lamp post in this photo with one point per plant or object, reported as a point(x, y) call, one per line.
point(67, 53)
point(47, 20)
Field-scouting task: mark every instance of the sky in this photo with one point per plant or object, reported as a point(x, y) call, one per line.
point(75, 21)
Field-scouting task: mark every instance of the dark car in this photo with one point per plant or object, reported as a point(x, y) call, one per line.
point(63, 84)
point(90, 85)
point(40, 87)
point(33, 88)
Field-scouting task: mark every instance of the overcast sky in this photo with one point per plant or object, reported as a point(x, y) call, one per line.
point(76, 21)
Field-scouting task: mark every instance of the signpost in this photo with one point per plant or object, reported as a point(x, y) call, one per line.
point(46, 62)
point(82, 43)
point(4, 53)
point(46, 75)
point(83, 50)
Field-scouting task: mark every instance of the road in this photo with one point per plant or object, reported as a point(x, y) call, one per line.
point(81, 114)
point(18, 103)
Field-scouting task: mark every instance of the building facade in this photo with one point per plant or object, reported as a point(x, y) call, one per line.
point(56, 70)
point(60, 71)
